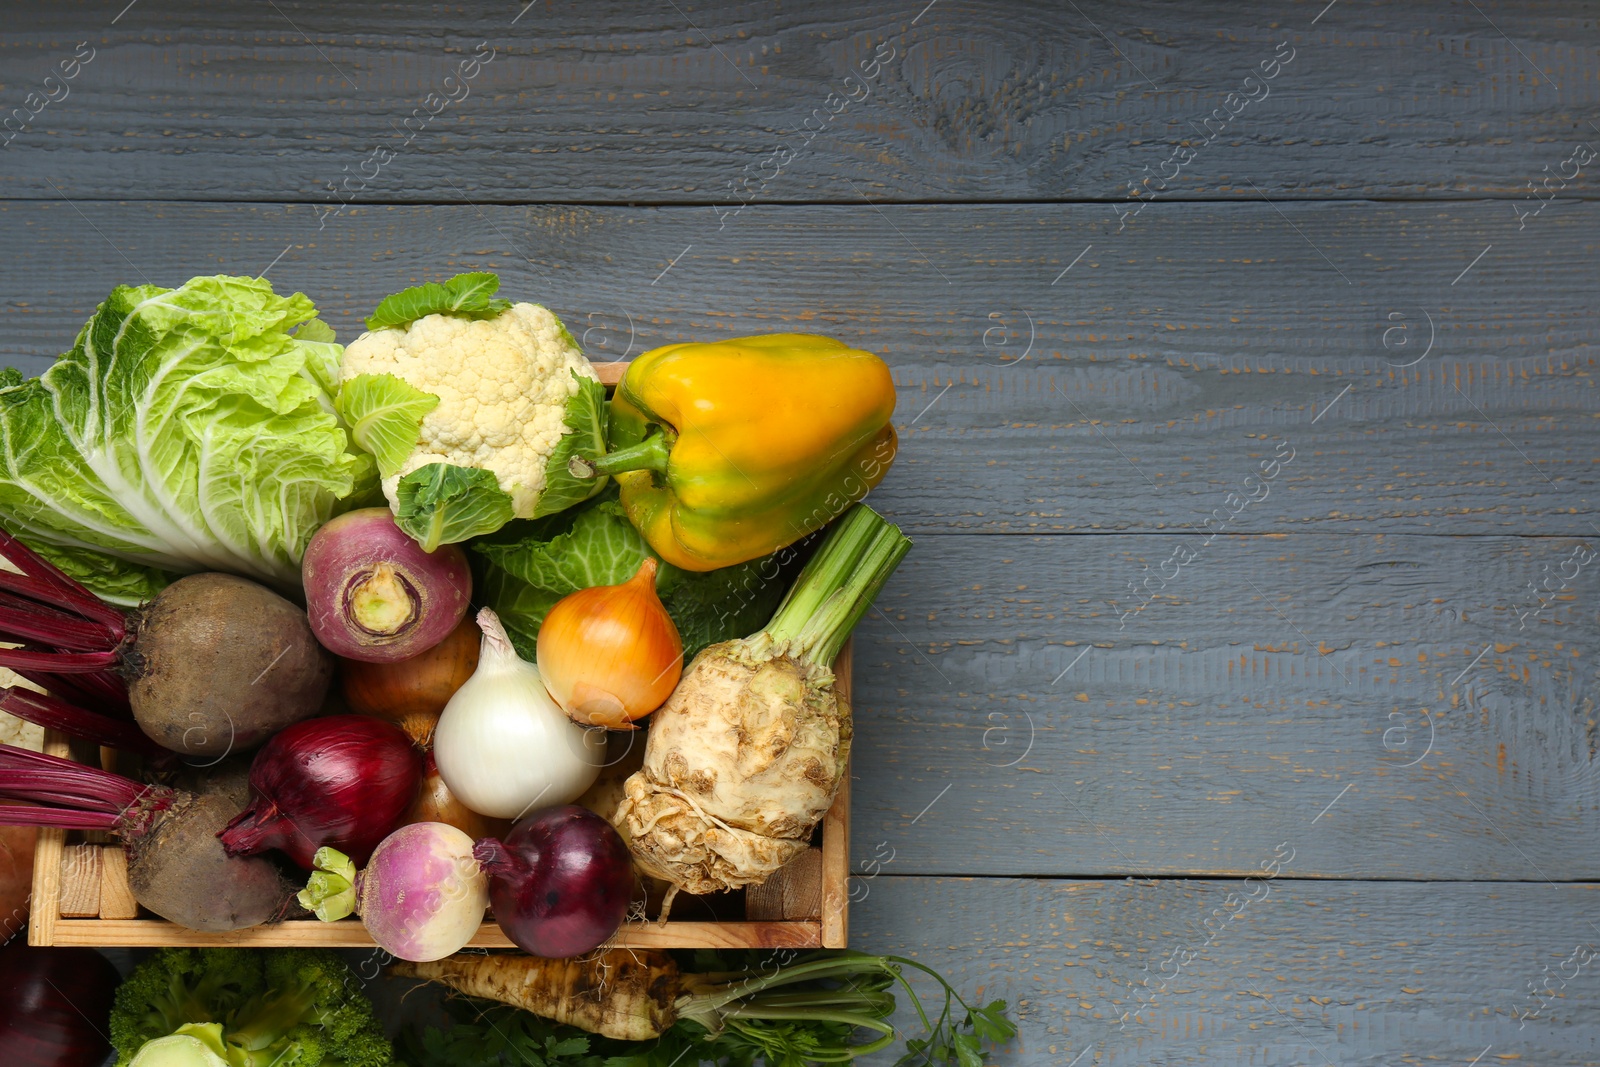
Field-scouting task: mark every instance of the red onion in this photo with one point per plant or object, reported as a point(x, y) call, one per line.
point(57, 1005)
point(560, 881)
point(343, 781)
point(373, 594)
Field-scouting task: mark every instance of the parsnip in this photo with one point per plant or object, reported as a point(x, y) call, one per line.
point(624, 993)
point(638, 995)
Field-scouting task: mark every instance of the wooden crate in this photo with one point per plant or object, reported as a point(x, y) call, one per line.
point(81, 897)
point(81, 894)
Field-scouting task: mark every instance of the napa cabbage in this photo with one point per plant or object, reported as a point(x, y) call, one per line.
point(189, 429)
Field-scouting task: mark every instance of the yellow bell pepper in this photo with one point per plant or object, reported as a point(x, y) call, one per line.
point(727, 451)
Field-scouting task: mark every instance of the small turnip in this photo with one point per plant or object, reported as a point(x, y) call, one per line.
point(373, 594)
point(422, 896)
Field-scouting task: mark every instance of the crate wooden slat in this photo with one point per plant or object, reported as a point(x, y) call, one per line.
point(350, 934)
point(67, 876)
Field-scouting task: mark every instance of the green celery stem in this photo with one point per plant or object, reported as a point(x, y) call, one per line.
point(649, 454)
point(838, 585)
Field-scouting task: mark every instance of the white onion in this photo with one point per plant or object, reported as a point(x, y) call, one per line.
point(503, 746)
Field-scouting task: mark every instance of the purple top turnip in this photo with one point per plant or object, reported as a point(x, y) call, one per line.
point(373, 594)
point(422, 896)
point(559, 883)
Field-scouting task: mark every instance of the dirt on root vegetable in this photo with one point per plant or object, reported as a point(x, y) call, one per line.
point(218, 664)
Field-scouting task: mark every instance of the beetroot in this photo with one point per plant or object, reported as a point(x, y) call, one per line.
point(214, 664)
point(176, 866)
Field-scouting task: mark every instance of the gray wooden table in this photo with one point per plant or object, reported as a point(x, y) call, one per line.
point(1238, 703)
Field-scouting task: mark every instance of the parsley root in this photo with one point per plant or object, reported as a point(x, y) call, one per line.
point(806, 1009)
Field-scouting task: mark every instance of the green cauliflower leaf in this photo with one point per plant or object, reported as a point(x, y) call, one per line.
point(588, 420)
point(441, 504)
point(385, 416)
point(470, 295)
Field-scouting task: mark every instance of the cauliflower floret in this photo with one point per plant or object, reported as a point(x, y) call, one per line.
point(502, 383)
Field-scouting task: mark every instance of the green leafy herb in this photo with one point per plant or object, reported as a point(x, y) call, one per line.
point(587, 418)
point(497, 1036)
point(385, 416)
point(441, 504)
point(470, 295)
point(529, 566)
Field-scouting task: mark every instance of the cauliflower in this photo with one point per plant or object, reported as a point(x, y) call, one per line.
point(472, 408)
point(503, 386)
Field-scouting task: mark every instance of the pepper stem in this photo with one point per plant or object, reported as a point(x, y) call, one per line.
point(650, 454)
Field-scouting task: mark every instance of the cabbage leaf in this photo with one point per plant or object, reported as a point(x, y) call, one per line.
point(188, 429)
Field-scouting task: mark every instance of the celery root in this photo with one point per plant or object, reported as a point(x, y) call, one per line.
point(746, 755)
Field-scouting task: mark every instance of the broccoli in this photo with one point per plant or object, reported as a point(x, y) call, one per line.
point(246, 1008)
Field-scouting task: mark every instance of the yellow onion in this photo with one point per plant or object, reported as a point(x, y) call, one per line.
point(611, 654)
point(411, 693)
point(435, 803)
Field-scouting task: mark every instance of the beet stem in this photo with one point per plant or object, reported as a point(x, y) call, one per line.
point(57, 662)
point(107, 693)
point(55, 714)
point(101, 691)
point(50, 594)
point(57, 818)
point(36, 566)
point(30, 622)
point(23, 773)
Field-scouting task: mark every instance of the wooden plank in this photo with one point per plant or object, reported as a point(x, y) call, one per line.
point(1309, 972)
point(81, 874)
point(983, 100)
point(116, 895)
point(102, 933)
point(794, 891)
point(1162, 368)
point(44, 899)
point(1006, 725)
point(836, 825)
